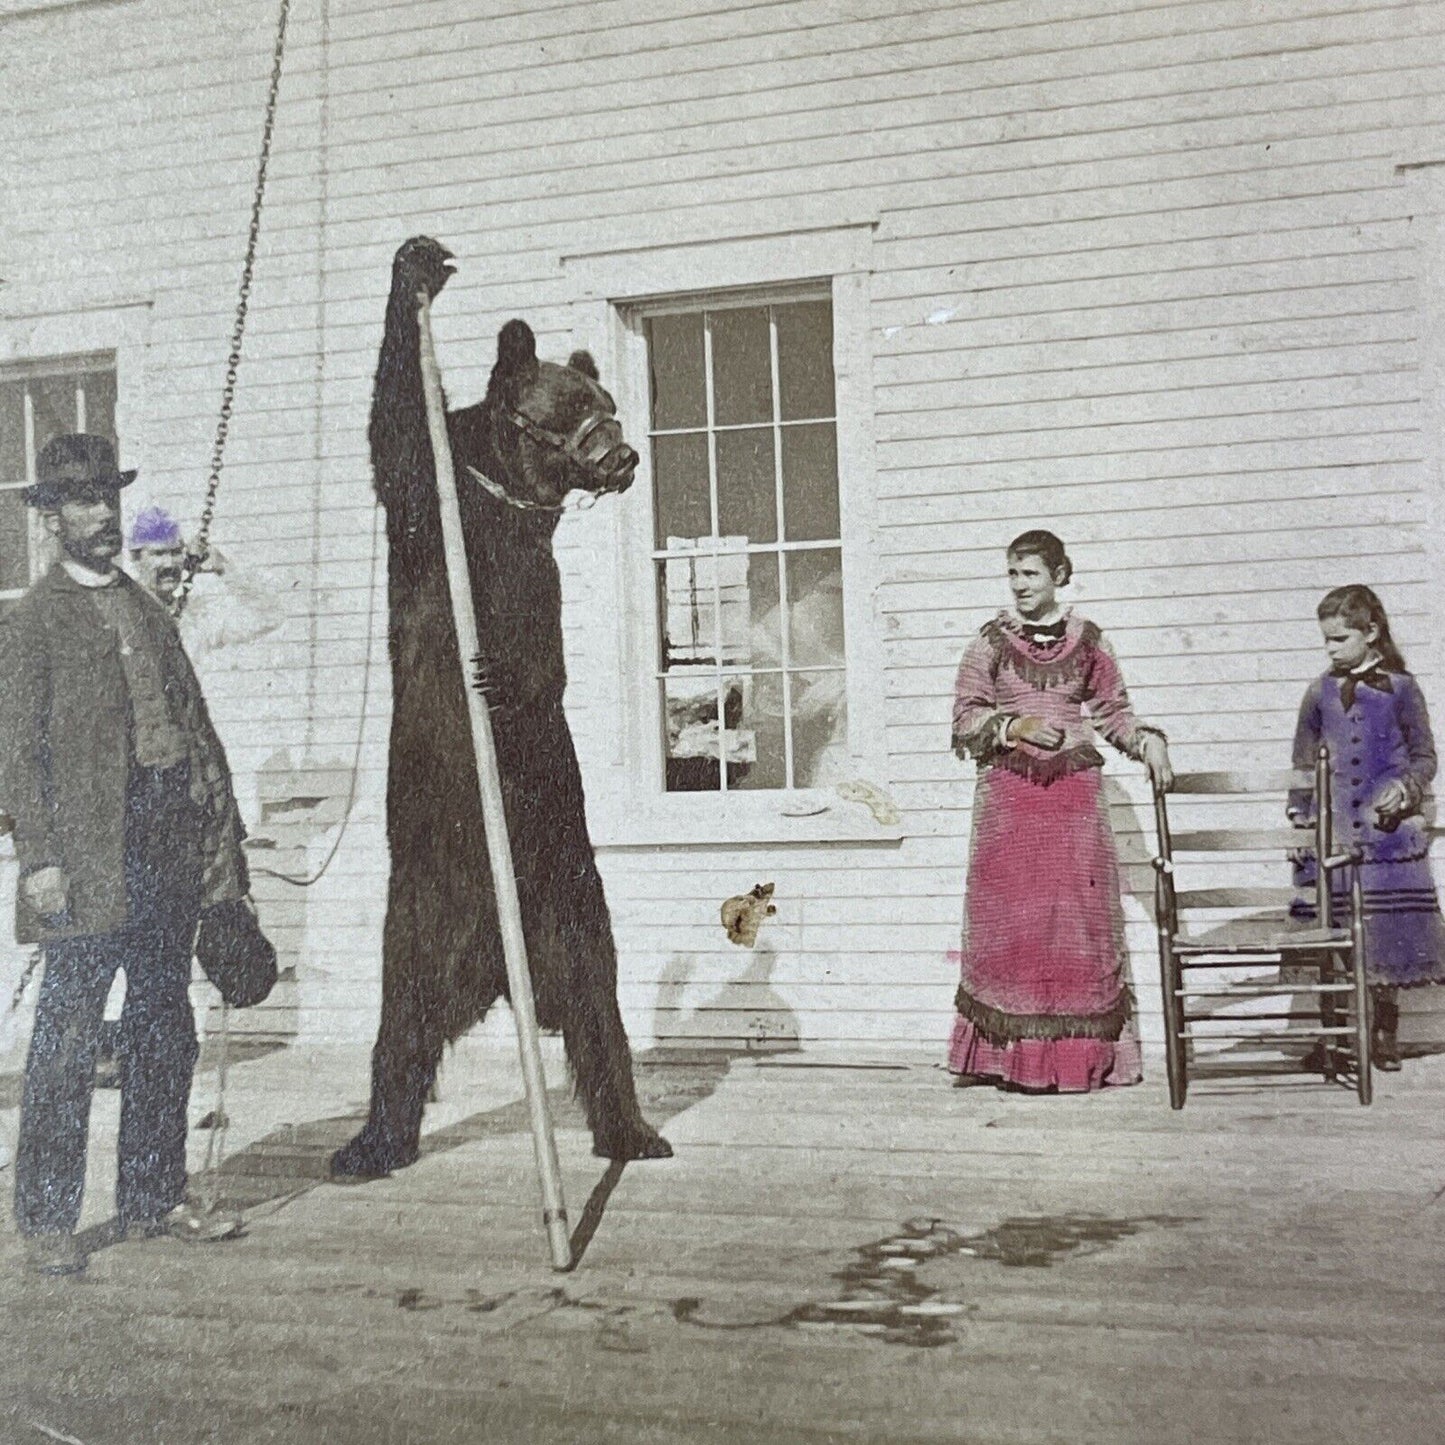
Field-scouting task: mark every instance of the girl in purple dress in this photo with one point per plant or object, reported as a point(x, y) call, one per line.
point(1370, 713)
point(1044, 1001)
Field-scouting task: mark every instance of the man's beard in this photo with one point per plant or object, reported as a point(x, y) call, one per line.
point(97, 551)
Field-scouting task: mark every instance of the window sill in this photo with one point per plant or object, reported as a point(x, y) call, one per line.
point(705, 822)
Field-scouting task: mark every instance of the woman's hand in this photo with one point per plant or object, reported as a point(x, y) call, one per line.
point(1154, 752)
point(1036, 731)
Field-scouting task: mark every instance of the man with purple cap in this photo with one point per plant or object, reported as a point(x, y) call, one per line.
point(126, 830)
point(157, 551)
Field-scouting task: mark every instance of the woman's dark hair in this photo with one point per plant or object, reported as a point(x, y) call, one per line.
point(1047, 548)
point(1358, 607)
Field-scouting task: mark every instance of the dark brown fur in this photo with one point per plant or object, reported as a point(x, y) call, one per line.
point(442, 956)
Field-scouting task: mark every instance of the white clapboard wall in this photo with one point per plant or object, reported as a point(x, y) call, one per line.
point(1146, 273)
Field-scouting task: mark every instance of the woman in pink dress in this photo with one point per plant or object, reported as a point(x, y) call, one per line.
point(1044, 1003)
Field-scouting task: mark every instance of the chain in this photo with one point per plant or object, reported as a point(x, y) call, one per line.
point(200, 548)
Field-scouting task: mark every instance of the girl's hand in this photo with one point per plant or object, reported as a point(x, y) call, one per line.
point(1036, 731)
point(1392, 803)
point(1155, 754)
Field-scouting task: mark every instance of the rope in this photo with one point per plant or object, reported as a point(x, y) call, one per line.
point(216, 1139)
point(31, 964)
point(197, 552)
point(300, 880)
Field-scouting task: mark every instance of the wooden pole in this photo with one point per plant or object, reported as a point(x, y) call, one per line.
point(499, 851)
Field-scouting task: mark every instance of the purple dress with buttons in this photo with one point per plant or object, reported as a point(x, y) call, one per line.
point(1377, 730)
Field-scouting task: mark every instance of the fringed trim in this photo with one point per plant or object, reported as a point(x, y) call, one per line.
point(1001, 1028)
point(1042, 667)
point(1046, 768)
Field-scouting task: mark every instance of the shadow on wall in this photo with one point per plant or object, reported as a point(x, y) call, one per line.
point(744, 1015)
point(1135, 847)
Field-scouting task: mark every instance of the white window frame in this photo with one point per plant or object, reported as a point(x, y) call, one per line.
point(44, 331)
point(78, 366)
point(628, 805)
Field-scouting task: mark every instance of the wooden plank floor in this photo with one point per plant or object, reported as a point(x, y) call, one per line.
point(835, 1254)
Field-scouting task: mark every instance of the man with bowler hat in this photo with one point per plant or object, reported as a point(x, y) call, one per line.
point(126, 829)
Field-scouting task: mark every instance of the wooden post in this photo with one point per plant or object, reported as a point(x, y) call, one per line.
point(499, 851)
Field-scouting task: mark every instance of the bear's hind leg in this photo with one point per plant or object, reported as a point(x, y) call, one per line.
point(601, 1062)
point(404, 1063)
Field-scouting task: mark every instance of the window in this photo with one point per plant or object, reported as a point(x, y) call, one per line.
point(750, 677)
point(38, 401)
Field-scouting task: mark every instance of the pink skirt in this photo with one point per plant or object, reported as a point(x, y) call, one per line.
point(1044, 1001)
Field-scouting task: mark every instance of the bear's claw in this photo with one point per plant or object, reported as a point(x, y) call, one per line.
point(644, 1143)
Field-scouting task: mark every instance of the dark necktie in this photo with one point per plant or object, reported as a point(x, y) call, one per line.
point(1375, 677)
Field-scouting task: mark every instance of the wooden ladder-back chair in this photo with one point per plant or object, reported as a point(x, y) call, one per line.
point(1188, 945)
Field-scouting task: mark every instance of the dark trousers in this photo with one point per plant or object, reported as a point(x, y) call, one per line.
point(157, 1029)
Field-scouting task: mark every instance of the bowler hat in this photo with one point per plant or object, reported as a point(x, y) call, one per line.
point(74, 462)
point(235, 955)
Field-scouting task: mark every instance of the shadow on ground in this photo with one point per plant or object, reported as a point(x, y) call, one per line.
point(290, 1161)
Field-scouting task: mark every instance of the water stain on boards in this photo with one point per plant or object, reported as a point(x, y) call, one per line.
point(882, 1294)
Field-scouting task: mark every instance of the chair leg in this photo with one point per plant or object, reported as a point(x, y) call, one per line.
point(1329, 1018)
point(1173, 1026)
point(1364, 1021)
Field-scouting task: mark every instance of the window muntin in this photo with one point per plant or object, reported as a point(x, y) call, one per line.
point(38, 401)
point(750, 677)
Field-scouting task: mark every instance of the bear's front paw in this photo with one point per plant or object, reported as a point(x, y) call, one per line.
point(423, 264)
point(488, 680)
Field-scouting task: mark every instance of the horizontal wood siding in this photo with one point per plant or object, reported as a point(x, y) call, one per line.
point(1143, 272)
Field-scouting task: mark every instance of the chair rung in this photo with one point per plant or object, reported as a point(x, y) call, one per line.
point(1262, 990)
point(1245, 1018)
point(1270, 1037)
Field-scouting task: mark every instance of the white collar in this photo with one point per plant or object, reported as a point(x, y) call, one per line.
point(86, 578)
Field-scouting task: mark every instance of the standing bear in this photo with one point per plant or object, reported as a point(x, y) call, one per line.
point(540, 432)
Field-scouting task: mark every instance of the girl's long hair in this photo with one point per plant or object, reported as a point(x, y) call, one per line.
point(1357, 606)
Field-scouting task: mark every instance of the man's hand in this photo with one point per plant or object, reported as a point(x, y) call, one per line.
point(1036, 731)
point(47, 891)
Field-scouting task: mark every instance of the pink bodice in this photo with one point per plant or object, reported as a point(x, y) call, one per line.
point(1073, 684)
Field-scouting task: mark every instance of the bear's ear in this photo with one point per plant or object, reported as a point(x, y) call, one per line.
point(582, 361)
point(516, 366)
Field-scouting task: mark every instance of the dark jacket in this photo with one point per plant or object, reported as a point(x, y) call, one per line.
point(65, 754)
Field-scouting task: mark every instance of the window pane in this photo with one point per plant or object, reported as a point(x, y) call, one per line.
point(742, 367)
point(815, 608)
point(14, 540)
point(810, 483)
point(679, 385)
point(753, 732)
point(689, 708)
point(763, 644)
point(820, 729)
point(12, 431)
point(99, 387)
point(680, 485)
point(54, 400)
point(687, 609)
point(747, 489)
point(805, 360)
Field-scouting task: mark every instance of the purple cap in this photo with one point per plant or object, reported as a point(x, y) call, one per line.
point(154, 527)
